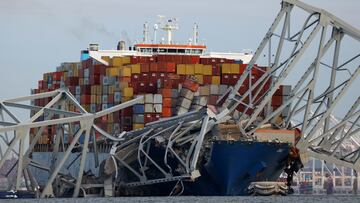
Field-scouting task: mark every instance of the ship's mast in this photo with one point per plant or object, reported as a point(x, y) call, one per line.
point(169, 26)
point(196, 33)
point(146, 33)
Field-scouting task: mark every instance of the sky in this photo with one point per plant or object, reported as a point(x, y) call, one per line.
point(37, 35)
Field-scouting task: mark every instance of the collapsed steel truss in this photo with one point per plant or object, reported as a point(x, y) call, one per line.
point(185, 130)
point(305, 97)
point(189, 130)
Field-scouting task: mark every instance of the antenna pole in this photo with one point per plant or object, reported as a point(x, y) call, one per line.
point(196, 33)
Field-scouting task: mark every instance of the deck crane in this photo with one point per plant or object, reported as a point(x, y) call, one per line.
point(306, 96)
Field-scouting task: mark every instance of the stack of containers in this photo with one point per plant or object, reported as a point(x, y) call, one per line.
point(187, 93)
point(159, 78)
point(169, 101)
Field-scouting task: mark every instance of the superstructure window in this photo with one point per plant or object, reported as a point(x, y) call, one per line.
point(171, 50)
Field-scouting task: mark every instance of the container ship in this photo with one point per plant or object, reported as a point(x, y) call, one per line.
point(175, 79)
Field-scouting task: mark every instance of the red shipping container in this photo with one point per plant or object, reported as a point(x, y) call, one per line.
point(41, 84)
point(57, 76)
point(170, 67)
point(155, 116)
point(216, 70)
point(153, 67)
point(148, 118)
point(233, 79)
point(161, 67)
point(191, 85)
point(94, 80)
point(85, 89)
point(87, 63)
point(85, 99)
point(242, 67)
point(168, 83)
point(144, 77)
point(98, 69)
point(134, 59)
point(135, 77)
point(152, 88)
point(73, 81)
point(225, 79)
point(111, 98)
point(276, 100)
point(56, 86)
point(153, 78)
point(207, 79)
point(81, 73)
point(144, 68)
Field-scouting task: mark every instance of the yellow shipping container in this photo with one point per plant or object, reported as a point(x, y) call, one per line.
point(112, 71)
point(215, 80)
point(190, 69)
point(98, 99)
point(138, 126)
point(65, 76)
point(181, 69)
point(199, 69)
point(126, 60)
point(122, 84)
point(111, 89)
point(116, 61)
point(93, 99)
point(135, 68)
point(106, 58)
point(128, 92)
point(125, 71)
point(86, 107)
point(200, 79)
point(235, 68)
point(207, 70)
point(226, 68)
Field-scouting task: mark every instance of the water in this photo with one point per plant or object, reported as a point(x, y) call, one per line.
point(277, 199)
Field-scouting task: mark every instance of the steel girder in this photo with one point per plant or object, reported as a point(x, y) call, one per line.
point(180, 138)
point(13, 131)
point(305, 97)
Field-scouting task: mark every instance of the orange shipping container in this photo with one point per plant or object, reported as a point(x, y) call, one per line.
point(166, 102)
point(166, 112)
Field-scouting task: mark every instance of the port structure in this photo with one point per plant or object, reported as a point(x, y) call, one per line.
point(320, 89)
point(189, 130)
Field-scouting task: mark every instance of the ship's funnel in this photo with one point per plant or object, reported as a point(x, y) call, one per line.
point(121, 45)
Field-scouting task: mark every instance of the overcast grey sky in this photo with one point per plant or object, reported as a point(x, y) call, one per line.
point(38, 35)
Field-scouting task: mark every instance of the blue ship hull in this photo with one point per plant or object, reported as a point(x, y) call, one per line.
point(233, 165)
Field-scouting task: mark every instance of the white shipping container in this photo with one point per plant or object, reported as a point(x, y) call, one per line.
point(204, 90)
point(187, 94)
point(185, 103)
point(223, 89)
point(149, 98)
point(157, 108)
point(157, 99)
point(181, 110)
point(214, 89)
point(149, 108)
